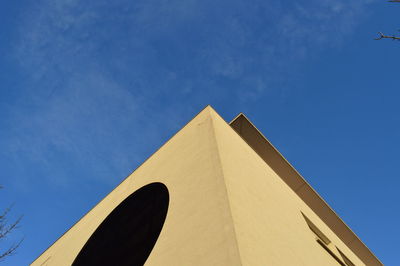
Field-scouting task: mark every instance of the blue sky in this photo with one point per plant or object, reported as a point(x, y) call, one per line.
point(90, 89)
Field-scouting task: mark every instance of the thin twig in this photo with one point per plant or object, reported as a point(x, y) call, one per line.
point(11, 250)
point(383, 36)
point(5, 230)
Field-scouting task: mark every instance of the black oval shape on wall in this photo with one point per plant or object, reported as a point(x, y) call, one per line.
point(129, 233)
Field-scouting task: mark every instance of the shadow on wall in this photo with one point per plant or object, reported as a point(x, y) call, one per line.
point(129, 233)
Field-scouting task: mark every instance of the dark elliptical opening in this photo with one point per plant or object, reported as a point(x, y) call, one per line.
point(130, 231)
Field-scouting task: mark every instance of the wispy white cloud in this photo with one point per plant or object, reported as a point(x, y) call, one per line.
point(224, 39)
point(89, 128)
point(98, 70)
point(322, 24)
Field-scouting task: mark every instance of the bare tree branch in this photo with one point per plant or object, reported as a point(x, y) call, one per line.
point(5, 229)
point(10, 251)
point(383, 36)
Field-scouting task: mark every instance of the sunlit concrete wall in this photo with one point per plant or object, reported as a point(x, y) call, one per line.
point(227, 207)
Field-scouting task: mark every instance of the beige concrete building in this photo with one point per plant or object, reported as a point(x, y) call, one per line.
point(214, 194)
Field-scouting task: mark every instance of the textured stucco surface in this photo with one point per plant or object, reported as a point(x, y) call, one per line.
point(227, 206)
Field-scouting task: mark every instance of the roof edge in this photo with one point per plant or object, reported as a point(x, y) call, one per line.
point(264, 148)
